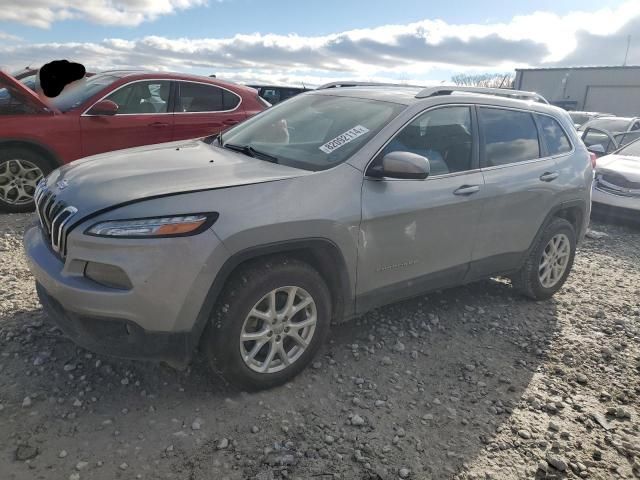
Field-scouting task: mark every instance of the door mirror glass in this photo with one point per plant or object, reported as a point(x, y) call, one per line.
point(405, 165)
point(104, 107)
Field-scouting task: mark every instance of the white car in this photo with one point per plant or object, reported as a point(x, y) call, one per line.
point(616, 190)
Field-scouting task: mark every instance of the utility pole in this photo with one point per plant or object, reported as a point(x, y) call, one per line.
point(626, 55)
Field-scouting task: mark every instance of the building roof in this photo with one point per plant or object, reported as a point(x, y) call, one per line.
point(604, 67)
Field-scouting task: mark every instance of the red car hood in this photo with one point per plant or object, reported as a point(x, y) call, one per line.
point(25, 93)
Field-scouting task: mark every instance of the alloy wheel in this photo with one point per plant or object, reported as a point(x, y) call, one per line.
point(278, 329)
point(554, 260)
point(18, 181)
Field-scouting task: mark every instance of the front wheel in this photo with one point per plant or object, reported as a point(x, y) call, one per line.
point(20, 171)
point(270, 321)
point(549, 263)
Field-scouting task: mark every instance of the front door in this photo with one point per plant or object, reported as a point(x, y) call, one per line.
point(143, 118)
point(203, 109)
point(419, 234)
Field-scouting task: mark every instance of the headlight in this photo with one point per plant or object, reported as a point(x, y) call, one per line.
point(156, 227)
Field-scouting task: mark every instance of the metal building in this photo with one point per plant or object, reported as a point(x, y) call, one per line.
point(613, 90)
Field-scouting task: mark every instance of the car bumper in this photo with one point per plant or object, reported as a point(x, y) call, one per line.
point(116, 337)
point(618, 206)
point(154, 319)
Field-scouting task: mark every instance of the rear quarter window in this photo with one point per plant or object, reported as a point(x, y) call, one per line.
point(553, 135)
point(510, 136)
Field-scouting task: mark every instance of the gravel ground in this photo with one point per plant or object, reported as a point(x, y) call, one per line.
point(470, 383)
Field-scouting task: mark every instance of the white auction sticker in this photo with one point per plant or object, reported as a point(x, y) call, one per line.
point(343, 139)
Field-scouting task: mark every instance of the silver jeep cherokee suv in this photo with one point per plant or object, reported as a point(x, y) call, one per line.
point(323, 207)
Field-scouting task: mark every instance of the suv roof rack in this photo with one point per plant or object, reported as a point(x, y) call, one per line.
point(350, 83)
point(501, 92)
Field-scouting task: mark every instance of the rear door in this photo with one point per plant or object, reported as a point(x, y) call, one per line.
point(521, 182)
point(203, 109)
point(144, 117)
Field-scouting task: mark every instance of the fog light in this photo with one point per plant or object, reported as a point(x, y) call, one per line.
point(108, 275)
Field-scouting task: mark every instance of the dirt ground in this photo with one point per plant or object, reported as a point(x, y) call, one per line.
point(470, 383)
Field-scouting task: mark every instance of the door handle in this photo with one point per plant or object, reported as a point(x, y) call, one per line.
point(158, 124)
point(231, 122)
point(467, 190)
point(549, 176)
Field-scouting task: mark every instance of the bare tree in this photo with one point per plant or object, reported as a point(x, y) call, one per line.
point(492, 80)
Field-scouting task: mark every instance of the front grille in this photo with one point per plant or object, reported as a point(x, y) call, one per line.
point(54, 217)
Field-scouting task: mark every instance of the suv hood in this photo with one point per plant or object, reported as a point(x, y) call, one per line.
point(106, 180)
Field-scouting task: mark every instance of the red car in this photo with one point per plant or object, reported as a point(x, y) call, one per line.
point(109, 111)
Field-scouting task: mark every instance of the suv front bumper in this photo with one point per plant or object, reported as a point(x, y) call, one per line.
point(117, 337)
point(155, 319)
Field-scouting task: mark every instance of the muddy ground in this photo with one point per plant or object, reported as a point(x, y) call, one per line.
point(470, 383)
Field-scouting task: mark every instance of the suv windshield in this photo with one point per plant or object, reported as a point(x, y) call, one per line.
point(82, 91)
point(311, 131)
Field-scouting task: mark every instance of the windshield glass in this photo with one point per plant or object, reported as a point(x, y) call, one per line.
point(82, 91)
point(314, 132)
point(632, 150)
point(609, 124)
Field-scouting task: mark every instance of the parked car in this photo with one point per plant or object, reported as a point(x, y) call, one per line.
point(109, 111)
point(580, 118)
point(316, 210)
point(276, 94)
point(616, 189)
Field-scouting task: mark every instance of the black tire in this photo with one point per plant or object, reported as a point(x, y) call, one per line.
point(243, 291)
point(527, 280)
point(31, 156)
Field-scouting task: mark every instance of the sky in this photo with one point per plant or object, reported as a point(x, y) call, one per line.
point(312, 42)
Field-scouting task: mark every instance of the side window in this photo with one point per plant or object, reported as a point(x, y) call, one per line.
point(636, 126)
point(198, 97)
point(442, 135)
point(271, 95)
point(229, 100)
point(593, 136)
point(142, 97)
point(509, 136)
point(554, 136)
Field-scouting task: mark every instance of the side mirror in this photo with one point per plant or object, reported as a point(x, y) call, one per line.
point(598, 149)
point(104, 107)
point(405, 165)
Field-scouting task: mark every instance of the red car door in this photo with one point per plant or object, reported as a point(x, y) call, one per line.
point(143, 117)
point(204, 109)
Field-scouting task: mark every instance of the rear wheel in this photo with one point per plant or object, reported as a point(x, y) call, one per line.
point(549, 263)
point(269, 323)
point(20, 171)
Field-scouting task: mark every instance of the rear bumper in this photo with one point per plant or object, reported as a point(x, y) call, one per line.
point(117, 337)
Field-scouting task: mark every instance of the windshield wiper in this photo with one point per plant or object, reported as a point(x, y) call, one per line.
point(251, 152)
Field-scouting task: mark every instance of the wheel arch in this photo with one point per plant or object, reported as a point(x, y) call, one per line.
point(321, 253)
point(46, 152)
point(575, 212)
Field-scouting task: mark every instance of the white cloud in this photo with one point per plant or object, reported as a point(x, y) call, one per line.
point(7, 36)
point(43, 13)
point(416, 50)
